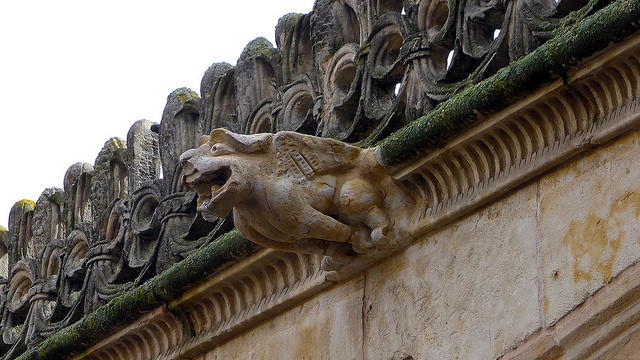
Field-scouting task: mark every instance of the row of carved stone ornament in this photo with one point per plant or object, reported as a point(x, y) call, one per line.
point(157, 335)
point(75, 249)
point(508, 148)
point(218, 308)
point(357, 69)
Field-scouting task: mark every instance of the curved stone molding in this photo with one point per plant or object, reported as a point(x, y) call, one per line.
point(77, 188)
point(218, 308)
point(143, 153)
point(298, 104)
point(144, 225)
point(17, 309)
point(109, 180)
point(73, 270)
point(179, 130)
point(261, 118)
point(219, 98)
point(256, 79)
point(341, 94)
point(293, 40)
point(527, 138)
point(157, 335)
point(4, 255)
point(20, 219)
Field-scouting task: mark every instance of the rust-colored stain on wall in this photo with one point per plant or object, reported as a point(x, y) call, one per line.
point(599, 238)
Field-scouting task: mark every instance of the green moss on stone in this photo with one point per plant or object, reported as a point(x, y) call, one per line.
point(449, 118)
point(207, 260)
point(115, 143)
point(289, 20)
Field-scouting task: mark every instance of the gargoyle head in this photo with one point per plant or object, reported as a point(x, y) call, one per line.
point(218, 169)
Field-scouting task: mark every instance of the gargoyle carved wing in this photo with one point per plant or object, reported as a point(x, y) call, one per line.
point(304, 156)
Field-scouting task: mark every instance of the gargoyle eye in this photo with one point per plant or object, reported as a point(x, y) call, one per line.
point(220, 149)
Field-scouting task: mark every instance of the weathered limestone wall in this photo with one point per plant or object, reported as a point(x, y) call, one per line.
point(589, 224)
point(469, 290)
point(481, 285)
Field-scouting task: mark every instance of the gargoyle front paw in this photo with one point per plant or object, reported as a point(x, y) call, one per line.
point(381, 241)
point(361, 240)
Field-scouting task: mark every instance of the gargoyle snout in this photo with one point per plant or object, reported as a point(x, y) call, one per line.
point(187, 166)
point(187, 155)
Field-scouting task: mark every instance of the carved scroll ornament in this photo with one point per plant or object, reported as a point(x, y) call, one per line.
point(300, 193)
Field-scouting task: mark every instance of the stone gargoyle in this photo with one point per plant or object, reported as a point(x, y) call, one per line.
point(296, 192)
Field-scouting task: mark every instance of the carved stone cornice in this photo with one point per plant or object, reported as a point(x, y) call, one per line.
point(157, 334)
point(596, 102)
point(218, 308)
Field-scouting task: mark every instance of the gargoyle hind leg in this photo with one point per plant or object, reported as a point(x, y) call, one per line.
point(360, 200)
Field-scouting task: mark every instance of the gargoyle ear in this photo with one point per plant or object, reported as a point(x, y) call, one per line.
point(203, 140)
point(241, 143)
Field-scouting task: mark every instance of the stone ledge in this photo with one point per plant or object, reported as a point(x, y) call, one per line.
point(218, 308)
point(529, 137)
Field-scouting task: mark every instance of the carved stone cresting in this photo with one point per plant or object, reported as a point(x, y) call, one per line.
point(300, 193)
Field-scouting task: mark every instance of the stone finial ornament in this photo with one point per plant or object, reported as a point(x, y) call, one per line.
point(298, 193)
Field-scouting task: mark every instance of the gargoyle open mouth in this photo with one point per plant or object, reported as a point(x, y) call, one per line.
point(209, 186)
